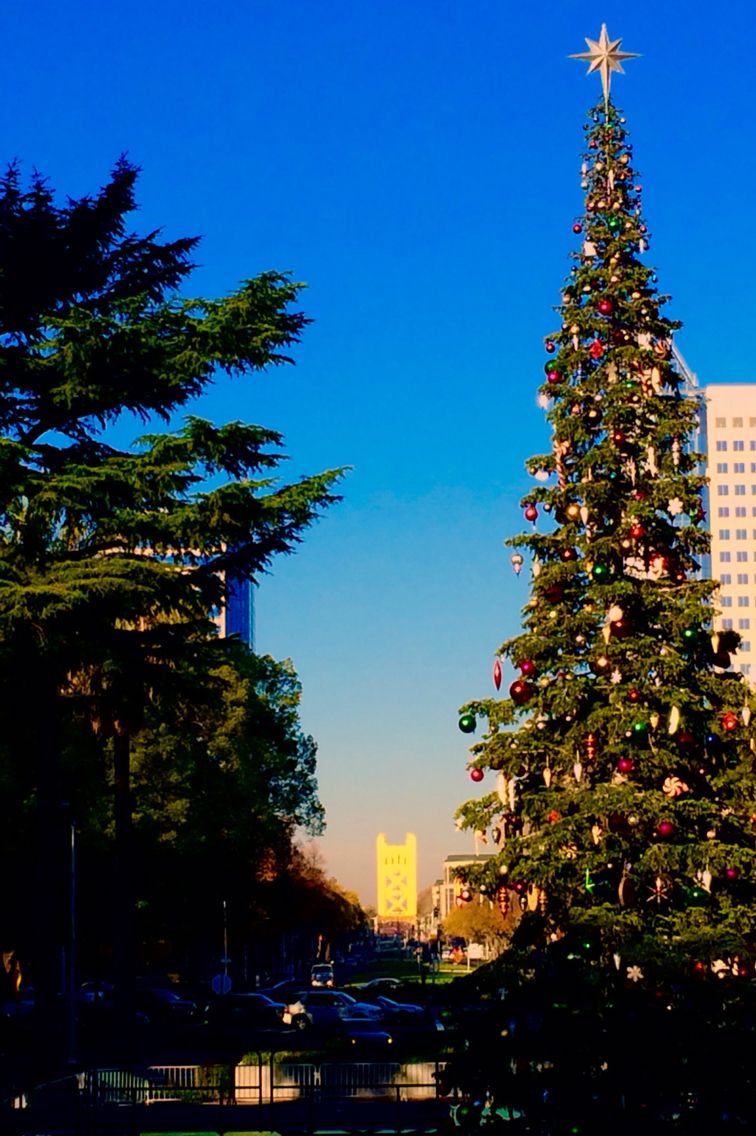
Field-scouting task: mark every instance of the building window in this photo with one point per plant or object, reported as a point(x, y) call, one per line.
point(742, 557)
point(738, 445)
point(752, 444)
point(724, 534)
point(727, 625)
point(737, 421)
point(752, 421)
point(721, 446)
point(753, 467)
point(741, 534)
point(745, 645)
point(740, 490)
point(725, 578)
point(724, 558)
point(723, 490)
point(745, 669)
point(720, 422)
point(726, 601)
point(722, 467)
point(742, 577)
point(741, 511)
point(744, 624)
point(739, 467)
point(744, 601)
point(723, 511)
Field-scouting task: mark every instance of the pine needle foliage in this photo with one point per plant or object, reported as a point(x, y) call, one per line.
point(621, 793)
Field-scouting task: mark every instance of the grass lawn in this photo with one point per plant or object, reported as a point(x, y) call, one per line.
point(406, 970)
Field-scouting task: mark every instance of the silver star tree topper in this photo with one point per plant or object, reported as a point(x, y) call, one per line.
point(604, 56)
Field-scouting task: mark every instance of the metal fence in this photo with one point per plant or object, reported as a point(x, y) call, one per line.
point(285, 1094)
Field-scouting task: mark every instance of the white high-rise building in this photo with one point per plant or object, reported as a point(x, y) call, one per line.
point(728, 438)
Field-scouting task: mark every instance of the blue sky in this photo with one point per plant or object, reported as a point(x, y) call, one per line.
point(418, 165)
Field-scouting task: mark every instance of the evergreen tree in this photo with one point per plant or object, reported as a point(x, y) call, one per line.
point(113, 560)
point(624, 796)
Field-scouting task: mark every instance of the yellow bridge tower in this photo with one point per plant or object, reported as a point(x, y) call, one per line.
point(397, 878)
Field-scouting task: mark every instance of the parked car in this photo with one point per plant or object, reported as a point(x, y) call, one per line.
point(240, 1012)
point(284, 991)
point(384, 985)
point(406, 1013)
point(96, 1007)
point(322, 974)
point(363, 1034)
point(326, 1007)
point(163, 1005)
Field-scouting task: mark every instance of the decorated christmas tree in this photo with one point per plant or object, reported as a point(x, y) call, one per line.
point(618, 772)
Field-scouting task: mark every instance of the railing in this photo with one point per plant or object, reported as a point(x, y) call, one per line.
point(286, 1095)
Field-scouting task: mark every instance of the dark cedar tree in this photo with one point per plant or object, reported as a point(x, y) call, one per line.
point(112, 559)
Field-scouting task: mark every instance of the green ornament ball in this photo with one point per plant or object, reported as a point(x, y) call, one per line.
point(601, 572)
point(467, 723)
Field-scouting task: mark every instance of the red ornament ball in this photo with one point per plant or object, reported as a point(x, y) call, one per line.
point(732, 873)
point(665, 828)
point(553, 593)
point(619, 437)
point(520, 692)
point(605, 307)
point(553, 377)
point(637, 531)
point(527, 666)
point(476, 775)
point(531, 513)
point(639, 494)
point(568, 554)
point(577, 227)
point(550, 346)
point(596, 349)
point(626, 765)
point(729, 721)
point(633, 695)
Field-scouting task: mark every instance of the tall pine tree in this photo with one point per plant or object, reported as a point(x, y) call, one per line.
point(113, 559)
point(620, 767)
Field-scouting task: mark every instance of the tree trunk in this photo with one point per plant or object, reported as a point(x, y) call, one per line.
point(49, 922)
point(123, 882)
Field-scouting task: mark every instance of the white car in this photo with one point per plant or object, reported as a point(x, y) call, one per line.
point(326, 1007)
point(322, 974)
